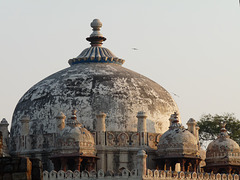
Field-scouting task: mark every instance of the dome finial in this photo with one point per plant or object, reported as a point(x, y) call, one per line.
point(175, 118)
point(74, 114)
point(174, 121)
point(223, 127)
point(96, 38)
point(223, 131)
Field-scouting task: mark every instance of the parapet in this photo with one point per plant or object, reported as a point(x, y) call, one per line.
point(124, 174)
point(133, 175)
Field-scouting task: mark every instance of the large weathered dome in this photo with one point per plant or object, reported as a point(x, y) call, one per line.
point(96, 82)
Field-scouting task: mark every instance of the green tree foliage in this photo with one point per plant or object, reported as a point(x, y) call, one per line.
point(210, 127)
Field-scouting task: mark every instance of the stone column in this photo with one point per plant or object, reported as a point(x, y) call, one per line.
point(142, 163)
point(1, 145)
point(24, 143)
point(64, 164)
point(25, 125)
point(100, 124)
point(192, 126)
point(183, 161)
point(101, 141)
point(102, 161)
point(78, 161)
point(197, 135)
point(109, 160)
point(142, 125)
point(60, 122)
point(5, 133)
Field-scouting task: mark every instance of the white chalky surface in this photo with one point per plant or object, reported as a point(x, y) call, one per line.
point(91, 88)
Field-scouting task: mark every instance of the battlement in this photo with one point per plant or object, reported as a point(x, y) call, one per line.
point(133, 175)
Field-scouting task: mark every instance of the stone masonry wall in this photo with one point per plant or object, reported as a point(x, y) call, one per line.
point(20, 168)
point(15, 168)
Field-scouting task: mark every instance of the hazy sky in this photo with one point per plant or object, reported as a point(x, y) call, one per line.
point(190, 47)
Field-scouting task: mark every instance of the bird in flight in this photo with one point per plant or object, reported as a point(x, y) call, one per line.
point(135, 48)
point(175, 94)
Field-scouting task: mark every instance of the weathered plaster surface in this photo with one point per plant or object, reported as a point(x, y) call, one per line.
point(91, 88)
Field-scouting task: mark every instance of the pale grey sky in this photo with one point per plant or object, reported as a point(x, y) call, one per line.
point(190, 47)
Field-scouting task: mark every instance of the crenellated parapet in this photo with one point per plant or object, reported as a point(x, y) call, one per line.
point(54, 175)
point(134, 175)
point(160, 174)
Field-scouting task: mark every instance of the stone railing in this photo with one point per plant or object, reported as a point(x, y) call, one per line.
point(133, 175)
point(156, 174)
point(229, 154)
point(76, 175)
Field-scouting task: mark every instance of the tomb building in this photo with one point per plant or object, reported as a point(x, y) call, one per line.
point(124, 111)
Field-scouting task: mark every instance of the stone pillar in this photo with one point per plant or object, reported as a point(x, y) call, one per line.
point(24, 131)
point(192, 126)
point(60, 122)
point(64, 164)
point(142, 125)
point(1, 145)
point(5, 133)
point(183, 161)
point(110, 161)
point(101, 141)
point(142, 163)
point(25, 125)
point(78, 161)
point(197, 135)
point(100, 124)
point(102, 161)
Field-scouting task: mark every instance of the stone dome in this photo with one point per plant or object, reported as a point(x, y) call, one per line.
point(222, 146)
point(74, 138)
point(177, 142)
point(96, 82)
point(223, 154)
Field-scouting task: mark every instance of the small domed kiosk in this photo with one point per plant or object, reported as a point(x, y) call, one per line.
point(223, 154)
point(75, 148)
point(178, 145)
